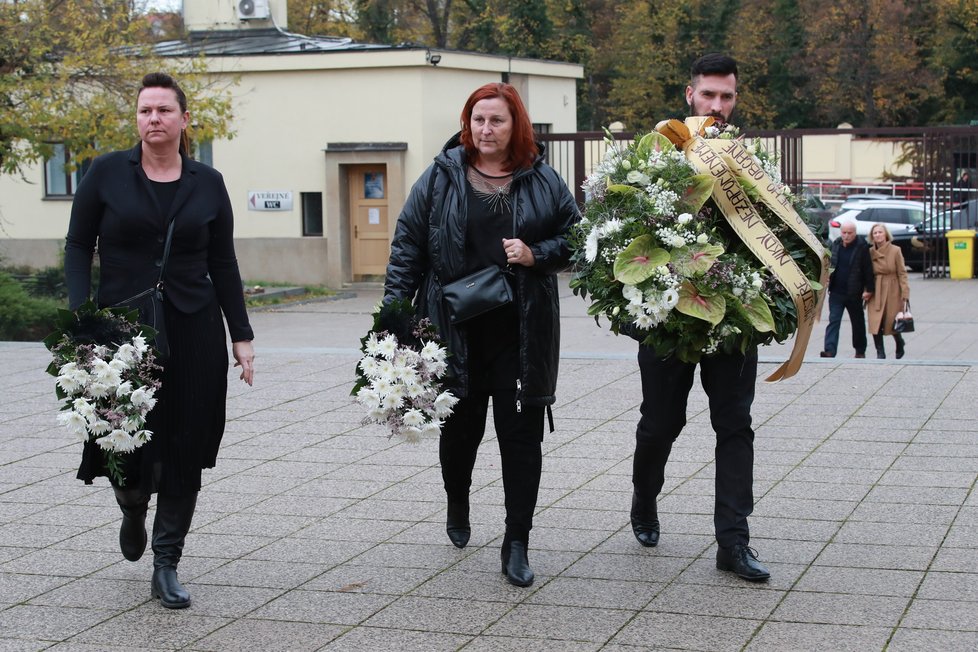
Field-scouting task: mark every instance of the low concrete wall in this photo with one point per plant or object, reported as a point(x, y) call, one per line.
point(280, 260)
point(35, 253)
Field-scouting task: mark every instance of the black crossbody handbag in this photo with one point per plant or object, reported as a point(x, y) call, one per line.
point(149, 303)
point(479, 292)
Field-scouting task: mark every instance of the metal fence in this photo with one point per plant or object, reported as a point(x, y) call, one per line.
point(943, 160)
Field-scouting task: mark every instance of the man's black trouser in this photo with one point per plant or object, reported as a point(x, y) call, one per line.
point(729, 383)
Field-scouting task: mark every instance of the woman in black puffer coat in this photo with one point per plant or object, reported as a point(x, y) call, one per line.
point(489, 199)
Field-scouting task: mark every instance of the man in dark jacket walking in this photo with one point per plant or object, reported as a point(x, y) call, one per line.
point(850, 286)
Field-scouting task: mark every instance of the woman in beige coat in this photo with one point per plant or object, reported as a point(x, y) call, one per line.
point(892, 289)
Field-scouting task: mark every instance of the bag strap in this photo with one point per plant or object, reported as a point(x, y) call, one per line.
point(166, 254)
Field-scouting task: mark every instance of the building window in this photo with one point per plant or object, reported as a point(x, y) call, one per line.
point(312, 213)
point(58, 181)
point(204, 152)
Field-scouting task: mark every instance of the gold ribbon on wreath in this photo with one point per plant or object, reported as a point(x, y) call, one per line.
point(726, 160)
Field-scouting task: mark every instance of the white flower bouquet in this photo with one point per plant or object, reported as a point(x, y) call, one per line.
point(398, 377)
point(660, 263)
point(107, 377)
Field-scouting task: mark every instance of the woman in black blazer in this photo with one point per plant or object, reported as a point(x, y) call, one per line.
point(124, 206)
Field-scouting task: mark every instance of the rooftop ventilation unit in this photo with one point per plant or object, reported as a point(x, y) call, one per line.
point(253, 9)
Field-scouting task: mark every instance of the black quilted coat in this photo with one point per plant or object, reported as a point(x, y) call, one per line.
point(428, 250)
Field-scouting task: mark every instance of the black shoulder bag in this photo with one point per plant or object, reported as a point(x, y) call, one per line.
point(149, 303)
point(479, 292)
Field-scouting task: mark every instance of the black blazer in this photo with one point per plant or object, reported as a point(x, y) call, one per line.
point(115, 206)
point(861, 276)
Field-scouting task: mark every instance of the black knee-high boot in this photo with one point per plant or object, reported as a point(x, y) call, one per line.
point(173, 517)
point(132, 533)
point(880, 350)
point(898, 338)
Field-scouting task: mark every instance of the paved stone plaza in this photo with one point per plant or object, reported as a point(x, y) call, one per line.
point(315, 532)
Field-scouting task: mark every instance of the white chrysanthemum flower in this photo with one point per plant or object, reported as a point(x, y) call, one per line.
point(99, 427)
point(413, 417)
point(431, 429)
point(432, 352)
point(368, 365)
point(702, 238)
point(393, 401)
point(368, 398)
point(411, 434)
point(444, 404)
point(644, 321)
point(407, 375)
point(612, 227)
point(131, 424)
point(83, 407)
point(139, 342)
point(438, 369)
point(677, 241)
point(387, 347)
point(684, 218)
point(100, 390)
point(414, 389)
point(386, 371)
point(143, 436)
point(117, 440)
point(75, 423)
point(141, 396)
point(101, 351)
point(371, 345)
point(382, 386)
point(126, 354)
point(591, 245)
point(124, 389)
point(632, 294)
point(70, 385)
point(378, 415)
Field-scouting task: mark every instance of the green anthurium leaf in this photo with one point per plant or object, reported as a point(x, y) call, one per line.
point(638, 260)
point(691, 302)
point(699, 190)
point(815, 285)
point(623, 189)
point(695, 258)
point(653, 141)
point(758, 313)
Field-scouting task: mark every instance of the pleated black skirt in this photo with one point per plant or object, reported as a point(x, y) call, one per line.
point(188, 420)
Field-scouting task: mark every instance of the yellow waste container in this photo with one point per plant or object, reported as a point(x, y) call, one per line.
point(961, 252)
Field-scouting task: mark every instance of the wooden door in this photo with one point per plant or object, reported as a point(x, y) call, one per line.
point(368, 220)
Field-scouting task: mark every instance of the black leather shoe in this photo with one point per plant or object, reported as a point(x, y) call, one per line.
point(457, 524)
point(826, 354)
point(167, 588)
point(860, 355)
point(742, 561)
point(646, 533)
point(645, 523)
point(516, 566)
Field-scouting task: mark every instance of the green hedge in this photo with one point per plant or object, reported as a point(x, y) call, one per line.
point(24, 317)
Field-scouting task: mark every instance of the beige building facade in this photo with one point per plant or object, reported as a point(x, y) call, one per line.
point(329, 137)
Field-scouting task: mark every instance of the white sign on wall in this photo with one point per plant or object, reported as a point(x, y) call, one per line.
point(269, 200)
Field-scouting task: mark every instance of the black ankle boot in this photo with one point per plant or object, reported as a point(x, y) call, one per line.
point(457, 524)
point(880, 351)
point(132, 532)
point(899, 345)
point(173, 517)
point(645, 522)
point(516, 565)
point(166, 587)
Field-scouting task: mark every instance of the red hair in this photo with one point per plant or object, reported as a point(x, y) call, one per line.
point(523, 150)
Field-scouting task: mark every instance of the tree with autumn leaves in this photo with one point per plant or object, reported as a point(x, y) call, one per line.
point(70, 71)
point(804, 63)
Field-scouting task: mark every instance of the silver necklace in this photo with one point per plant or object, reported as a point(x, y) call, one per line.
point(491, 189)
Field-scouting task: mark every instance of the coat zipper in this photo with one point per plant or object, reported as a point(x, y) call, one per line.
point(519, 390)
